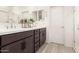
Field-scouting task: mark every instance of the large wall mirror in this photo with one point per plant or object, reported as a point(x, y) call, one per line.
point(18, 12)
point(14, 14)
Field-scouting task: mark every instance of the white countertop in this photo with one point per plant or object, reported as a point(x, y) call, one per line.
point(10, 31)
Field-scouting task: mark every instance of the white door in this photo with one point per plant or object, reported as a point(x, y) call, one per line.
point(57, 25)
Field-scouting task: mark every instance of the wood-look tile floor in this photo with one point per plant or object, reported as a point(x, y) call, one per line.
point(55, 48)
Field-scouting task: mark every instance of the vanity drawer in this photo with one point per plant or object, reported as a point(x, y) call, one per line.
point(13, 48)
point(6, 39)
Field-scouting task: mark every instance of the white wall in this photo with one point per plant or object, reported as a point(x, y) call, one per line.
point(77, 28)
point(47, 24)
point(68, 25)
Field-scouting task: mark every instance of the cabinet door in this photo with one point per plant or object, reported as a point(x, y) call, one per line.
point(42, 36)
point(16, 47)
point(36, 36)
point(29, 45)
point(36, 39)
point(24, 46)
point(9, 38)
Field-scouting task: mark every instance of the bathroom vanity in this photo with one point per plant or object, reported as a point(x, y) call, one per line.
point(24, 41)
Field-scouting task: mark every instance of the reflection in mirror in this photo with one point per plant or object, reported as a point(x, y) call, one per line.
point(40, 13)
point(34, 15)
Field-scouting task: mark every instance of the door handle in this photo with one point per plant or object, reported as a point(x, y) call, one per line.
point(78, 28)
point(62, 26)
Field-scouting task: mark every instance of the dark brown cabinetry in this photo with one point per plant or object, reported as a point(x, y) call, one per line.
point(36, 40)
point(42, 36)
point(9, 38)
point(16, 47)
point(29, 44)
point(23, 42)
point(36, 35)
point(17, 42)
point(25, 45)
